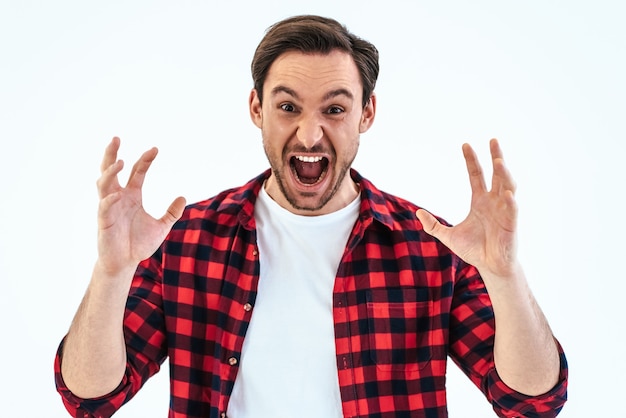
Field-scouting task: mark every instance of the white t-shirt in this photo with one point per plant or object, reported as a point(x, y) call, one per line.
point(288, 364)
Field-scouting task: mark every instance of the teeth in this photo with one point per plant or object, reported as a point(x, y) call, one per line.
point(308, 159)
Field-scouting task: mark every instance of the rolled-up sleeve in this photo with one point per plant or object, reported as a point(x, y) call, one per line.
point(145, 346)
point(510, 403)
point(101, 407)
point(472, 336)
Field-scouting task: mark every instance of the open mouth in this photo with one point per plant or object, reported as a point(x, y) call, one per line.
point(309, 170)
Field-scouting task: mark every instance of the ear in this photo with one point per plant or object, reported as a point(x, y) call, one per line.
point(368, 115)
point(256, 111)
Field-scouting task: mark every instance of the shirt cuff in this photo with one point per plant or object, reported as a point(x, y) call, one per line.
point(507, 402)
point(103, 406)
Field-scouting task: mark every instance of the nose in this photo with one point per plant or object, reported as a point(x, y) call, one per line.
point(310, 130)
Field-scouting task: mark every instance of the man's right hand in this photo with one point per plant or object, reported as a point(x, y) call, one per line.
point(126, 233)
point(94, 354)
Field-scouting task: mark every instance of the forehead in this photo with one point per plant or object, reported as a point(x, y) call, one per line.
point(311, 73)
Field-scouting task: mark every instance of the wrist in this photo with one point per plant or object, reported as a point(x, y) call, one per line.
point(105, 269)
point(115, 280)
point(513, 284)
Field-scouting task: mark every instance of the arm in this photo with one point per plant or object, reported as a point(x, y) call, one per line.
point(525, 352)
point(94, 353)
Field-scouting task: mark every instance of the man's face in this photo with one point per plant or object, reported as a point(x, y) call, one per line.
point(311, 119)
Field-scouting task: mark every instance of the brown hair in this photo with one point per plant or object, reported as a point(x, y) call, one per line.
point(314, 34)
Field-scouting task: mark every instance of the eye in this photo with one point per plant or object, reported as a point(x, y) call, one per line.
point(335, 110)
point(287, 107)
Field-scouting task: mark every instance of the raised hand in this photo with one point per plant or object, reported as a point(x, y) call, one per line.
point(486, 238)
point(126, 233)
point(525, 353)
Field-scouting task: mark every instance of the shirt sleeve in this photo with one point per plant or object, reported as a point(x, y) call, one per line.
point(472, 335)
point(144, 333)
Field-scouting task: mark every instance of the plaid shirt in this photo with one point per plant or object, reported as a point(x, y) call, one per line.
point(402, 303)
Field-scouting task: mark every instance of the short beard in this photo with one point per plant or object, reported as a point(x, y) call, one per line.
point(324, 199)
point(291, 199)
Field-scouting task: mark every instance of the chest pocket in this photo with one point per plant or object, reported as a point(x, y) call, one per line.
point(399, 328)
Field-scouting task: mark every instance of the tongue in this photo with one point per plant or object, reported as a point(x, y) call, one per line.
point(308, 173)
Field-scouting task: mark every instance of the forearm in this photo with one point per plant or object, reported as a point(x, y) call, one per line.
point(525, 351)
point(94, 353)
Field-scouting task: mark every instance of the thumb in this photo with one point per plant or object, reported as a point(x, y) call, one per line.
point(174, 212)
point(431, 225)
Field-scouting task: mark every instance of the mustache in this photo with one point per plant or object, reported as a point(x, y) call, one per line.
point(315, 149)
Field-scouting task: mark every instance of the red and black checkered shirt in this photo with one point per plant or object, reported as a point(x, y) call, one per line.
point(402, 303)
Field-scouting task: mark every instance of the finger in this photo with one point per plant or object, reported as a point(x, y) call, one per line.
point(474, 170)
point(502, 179)
point(174, 212)
point(110, 154)
point(496, 150)
point(512, 208)
point(138, 173)
point(104, 208)
point(108, 183)
point(432, 226)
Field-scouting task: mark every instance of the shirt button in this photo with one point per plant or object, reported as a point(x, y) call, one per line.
point(247, 307)
point(232, 361)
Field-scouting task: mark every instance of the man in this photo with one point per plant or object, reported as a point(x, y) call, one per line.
point(349, 299)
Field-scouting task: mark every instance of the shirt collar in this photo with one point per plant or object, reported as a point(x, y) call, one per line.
point(373, 202)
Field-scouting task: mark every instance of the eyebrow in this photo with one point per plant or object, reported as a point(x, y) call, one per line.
point(333, 93)
point(283, 89)
point(338, 92)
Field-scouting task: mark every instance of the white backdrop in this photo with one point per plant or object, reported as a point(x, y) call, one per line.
point(547, 78)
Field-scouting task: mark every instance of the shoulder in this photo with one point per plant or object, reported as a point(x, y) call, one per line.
point(394, 211)
point(226, 208)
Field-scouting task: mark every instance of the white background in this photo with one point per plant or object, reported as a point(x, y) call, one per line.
point(546, 78)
